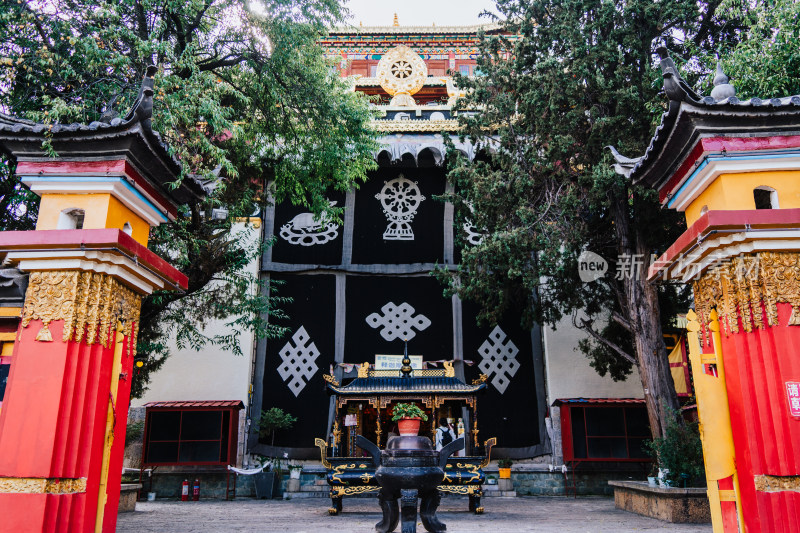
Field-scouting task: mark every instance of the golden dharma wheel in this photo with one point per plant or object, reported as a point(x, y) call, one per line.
point(402, 71)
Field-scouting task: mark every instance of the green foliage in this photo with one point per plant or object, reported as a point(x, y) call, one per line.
point(18, 205)
point(680, 452)
point(407, 410)
point(272, 420)
point(766, 62)
point(245, 99)
point(505, 463)
point(581, 77)
point(134, 432)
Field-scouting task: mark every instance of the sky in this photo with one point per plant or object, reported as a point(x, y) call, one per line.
point(419, 12)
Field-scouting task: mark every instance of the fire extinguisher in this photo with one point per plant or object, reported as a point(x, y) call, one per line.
point(185, 491)
point(196, 490)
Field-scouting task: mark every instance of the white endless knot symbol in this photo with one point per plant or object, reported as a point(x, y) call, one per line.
point(298, 361)
point(499, 359)
point(398, 321)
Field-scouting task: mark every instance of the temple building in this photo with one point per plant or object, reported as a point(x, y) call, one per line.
point(362, 291)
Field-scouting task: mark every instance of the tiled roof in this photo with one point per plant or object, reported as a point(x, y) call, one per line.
point(153, 154)
point(402, 385)
point(598, 400)
point(200, 403)
point(690, 116)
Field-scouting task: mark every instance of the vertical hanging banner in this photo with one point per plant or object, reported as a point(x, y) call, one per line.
point(793, 395)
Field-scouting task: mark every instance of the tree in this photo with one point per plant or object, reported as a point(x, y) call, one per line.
point(273, 420)
point(580, 77)
point(244, 97)
point(766, 63)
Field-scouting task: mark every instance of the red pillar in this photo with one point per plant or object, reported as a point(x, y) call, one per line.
point(767, 437)
point(53, 424)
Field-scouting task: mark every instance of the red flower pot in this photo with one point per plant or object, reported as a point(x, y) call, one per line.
point(409, 426)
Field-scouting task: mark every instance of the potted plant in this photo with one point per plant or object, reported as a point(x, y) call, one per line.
point(504, 467)
point(408, 417)
point(264, 481)
point(295, 471)
point(652, 477)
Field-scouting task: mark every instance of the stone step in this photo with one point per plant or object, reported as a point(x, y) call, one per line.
point(321, 482)
point(313, 494)
point(315, 488)
point(500, 494)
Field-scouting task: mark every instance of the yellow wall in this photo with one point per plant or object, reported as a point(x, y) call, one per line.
point(735, 191)
point(118, 215)
point(100, 211)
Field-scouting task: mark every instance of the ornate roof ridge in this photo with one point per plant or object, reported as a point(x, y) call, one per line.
point(474, 28)
point(137, 121)
point(700, 112)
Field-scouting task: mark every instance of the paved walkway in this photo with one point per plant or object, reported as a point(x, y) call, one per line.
point(503, 515)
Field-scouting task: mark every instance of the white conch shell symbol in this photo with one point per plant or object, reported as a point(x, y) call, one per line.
point(307, 229)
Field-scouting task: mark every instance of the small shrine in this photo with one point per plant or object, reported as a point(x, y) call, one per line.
point(363, 409)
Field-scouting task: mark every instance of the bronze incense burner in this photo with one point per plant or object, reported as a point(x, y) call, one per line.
point(409, 469)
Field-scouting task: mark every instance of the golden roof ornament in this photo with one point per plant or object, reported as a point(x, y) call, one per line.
point(402, 72)
point(396, 21)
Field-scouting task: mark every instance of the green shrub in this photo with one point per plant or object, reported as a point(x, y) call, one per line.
point(680, 452)
point(272, 420)
point(134, 432)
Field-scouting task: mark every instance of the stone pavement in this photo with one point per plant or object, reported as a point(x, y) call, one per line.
point(310, 515)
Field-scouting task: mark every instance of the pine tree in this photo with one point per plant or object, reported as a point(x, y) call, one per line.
point(570, 78)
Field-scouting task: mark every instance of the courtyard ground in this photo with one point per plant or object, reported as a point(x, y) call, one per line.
point(310, 515)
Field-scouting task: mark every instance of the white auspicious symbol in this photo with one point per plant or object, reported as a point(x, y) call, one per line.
point(499, 359)
point(399, 199)
point(306, 229)
point(299, 361)
point(398, 321)
point(473, 237)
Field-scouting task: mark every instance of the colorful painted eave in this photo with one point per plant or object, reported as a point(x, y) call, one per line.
point(50, 240)
point(422, 126)
point(779, 228)
point(414, 30)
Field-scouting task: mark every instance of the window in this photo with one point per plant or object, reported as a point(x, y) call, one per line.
point(194, 435)
point(71, 218)
point(464, 70)
point(765, 197)
point(604, 430)
point(373, 71)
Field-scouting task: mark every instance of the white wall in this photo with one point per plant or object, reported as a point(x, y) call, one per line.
point(211, 373)
point(568, 372)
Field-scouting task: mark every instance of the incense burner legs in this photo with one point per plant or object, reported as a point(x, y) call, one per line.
point(406, 512)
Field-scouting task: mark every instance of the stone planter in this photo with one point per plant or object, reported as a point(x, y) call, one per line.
point(127, 497)
point(264, 484)
point(669, 504)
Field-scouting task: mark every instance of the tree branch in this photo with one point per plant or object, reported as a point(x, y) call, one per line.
point(586, 325)
point(622, 321)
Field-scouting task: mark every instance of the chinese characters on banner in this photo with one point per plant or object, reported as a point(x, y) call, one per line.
point(793, 394)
